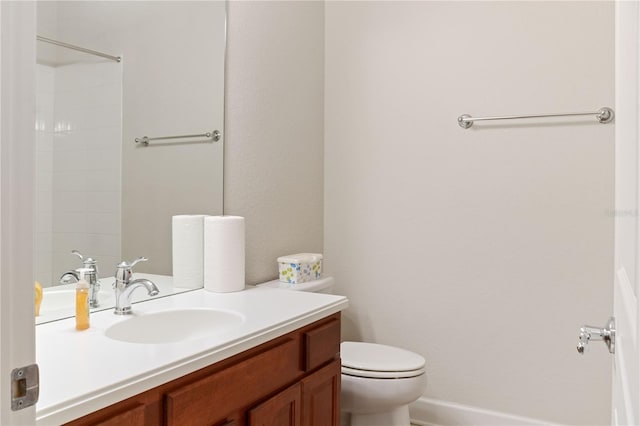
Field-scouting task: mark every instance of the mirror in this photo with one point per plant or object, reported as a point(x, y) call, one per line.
point(98, 190)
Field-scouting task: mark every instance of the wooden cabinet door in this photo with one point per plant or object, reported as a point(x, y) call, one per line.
point(321, 396)
point(283, 409)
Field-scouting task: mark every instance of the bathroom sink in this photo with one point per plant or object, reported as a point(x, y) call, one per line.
point(173, 326)
point(57, 300)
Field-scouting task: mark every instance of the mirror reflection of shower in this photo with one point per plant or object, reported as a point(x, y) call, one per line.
point(78, 157)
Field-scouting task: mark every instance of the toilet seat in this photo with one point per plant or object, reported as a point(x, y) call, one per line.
point(367, 374)
point(371, 360)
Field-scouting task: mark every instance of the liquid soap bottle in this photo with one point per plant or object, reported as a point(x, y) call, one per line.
point(38, 297)
point(82, 300)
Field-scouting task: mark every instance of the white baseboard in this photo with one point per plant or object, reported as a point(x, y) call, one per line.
point(434, 412)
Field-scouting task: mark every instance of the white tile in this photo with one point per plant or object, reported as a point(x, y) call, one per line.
point(103, 223)
point(99, 180)
point(107, 138)
point(68, 119)
point(45, 102)
point(44, 161)
point(105, 160)
point(65, 242)
point(43, 242)
point(43, 266)
point(44, 181)
point(104, 202)
point(104, 95)
point(69, 222)
point(107, 264)
point(92, 74)
point(71, 160)
point(44, 221)
point(44, 118)
point(79, 139)
point(45, 78)
point(44, 202)
point(98, 117)
point(72, 180)
point(68, 141)
point(73, 76)
point(112, 73)
point(70, 202)
point(104, 245)
point(68, 100)
point(44, 141)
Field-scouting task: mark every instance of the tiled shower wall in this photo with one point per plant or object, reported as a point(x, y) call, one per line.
point(79, 167)
point(45, 86)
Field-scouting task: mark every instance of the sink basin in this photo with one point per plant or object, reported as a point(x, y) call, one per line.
point(56, 300)
point(174, 326)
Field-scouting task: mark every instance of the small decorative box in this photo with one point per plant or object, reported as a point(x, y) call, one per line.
point(300, 268)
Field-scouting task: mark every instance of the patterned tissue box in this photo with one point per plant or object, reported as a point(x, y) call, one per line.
point(300, 268)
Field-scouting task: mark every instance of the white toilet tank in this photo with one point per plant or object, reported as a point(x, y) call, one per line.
point(322, 285)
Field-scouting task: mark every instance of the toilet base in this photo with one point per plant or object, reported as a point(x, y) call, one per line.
point(399, 416)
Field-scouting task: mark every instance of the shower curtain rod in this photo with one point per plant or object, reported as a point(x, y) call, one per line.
point(78, 48)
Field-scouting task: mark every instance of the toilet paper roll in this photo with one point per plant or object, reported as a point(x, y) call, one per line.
point(188, 242)
point(224, 253)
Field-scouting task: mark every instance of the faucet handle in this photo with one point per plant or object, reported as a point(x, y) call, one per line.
point(87, 262)
point(124, 271)
point(126, 265)
point(138, 260)
point(77, 253)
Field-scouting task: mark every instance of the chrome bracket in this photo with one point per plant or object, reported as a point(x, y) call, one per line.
point(25, 387)
point(605, 115)
point(606, 334)
point(463, 122)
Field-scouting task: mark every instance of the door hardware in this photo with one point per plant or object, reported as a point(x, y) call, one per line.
point(606, 334)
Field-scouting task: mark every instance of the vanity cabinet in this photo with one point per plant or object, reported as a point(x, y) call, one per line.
point(293, 380)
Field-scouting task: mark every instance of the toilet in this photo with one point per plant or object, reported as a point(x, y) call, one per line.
point(378, 381)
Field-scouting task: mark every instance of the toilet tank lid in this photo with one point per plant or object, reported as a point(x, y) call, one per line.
point(376, 357)
point(300, 258)
point(309, 286)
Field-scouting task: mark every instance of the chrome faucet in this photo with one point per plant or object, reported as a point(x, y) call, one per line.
point(73, 276)
point(124, 286)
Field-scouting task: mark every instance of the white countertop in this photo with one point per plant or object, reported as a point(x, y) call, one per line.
point(84, 371)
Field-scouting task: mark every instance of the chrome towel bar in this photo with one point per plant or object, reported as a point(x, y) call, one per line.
point(603, 115)
point(215, 135)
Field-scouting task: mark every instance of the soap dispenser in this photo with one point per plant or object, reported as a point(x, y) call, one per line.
point(82, 300)
point(38, 298)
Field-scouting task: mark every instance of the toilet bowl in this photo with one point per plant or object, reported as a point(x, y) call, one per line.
point(378, 382)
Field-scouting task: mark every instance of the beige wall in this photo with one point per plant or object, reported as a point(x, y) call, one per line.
point(485, 249)
point(274, 106)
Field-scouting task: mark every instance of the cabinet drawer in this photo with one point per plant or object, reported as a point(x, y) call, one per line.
point(322, 344)
point(115, 415)
point(132, 417)
point(215, 396)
